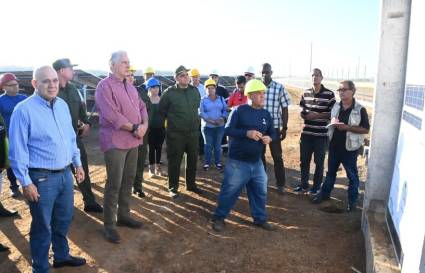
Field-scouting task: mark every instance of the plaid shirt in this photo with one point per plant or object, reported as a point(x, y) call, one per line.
point(276, 98)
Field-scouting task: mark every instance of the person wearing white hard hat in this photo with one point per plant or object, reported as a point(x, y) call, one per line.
point(249, 73)
point(250, 128)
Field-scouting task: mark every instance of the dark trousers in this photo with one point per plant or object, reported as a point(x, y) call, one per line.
point(156, 138)
point(348, 159)
point(85, 186)
point(179, 143)
point(276, 151)
point(141, 158)
point(12, 179)
point(310, 145)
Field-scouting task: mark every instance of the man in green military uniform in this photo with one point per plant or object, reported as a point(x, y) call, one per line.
point(143, 148)
point(179, 106)
point(69, 93)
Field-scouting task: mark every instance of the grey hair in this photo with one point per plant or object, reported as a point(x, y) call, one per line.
point(37, 72)
point(350, 84)
point(116, 56)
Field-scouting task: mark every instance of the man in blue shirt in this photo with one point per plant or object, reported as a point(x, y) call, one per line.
point(9, 84)
point(249, 127)
point(42, 148)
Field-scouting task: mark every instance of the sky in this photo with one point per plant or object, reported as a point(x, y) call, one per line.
point(225, 35)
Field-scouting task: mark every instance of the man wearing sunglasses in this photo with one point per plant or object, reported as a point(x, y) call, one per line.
point(8, 101)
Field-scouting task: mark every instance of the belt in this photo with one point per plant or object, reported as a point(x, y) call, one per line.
point(47, 170)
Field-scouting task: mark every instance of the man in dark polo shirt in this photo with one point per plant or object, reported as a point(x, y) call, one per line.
point(69, 93)
point(316, 103)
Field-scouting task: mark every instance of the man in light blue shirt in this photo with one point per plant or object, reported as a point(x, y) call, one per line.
point(42, 148)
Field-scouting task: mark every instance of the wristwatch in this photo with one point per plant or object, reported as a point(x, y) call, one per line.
point(135, 127)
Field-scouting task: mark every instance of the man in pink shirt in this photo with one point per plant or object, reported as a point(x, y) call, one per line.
point(123, 122)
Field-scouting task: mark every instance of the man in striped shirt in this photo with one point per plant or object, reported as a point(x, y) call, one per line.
point(316, 104)
point(277, 102)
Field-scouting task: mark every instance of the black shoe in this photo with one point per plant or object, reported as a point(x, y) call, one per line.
point(15, 193)
point(7, 213)
point(139, 193)
point(265, 225)
point(218, 225)
point(300, 190)
point(93, 208)
point(3, 248)
point(219, 166)
point(280, 190)
point(72, 261)
point(319, 198)
point(130, 222)
point(206, 167)
point(174, 194)
point(196, 190)
point(112, 235)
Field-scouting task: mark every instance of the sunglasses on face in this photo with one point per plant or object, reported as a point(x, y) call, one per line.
point(343, 89)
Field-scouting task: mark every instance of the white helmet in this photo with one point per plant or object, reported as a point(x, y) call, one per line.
point(250, 70)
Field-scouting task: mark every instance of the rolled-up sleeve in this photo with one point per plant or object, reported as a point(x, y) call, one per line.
point(18, 146)
point(107, 107)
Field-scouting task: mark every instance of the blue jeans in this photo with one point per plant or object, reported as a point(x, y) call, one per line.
point(212, 139)
point(349, 161)
point(51, 217)
point(237, 174)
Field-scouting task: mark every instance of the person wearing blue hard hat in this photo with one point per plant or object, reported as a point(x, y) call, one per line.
point(156, 131)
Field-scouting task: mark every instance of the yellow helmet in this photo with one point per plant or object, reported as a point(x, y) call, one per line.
point(149, 70)
point(254, 86)
point(132, 69)
point(210, 82)
point(194, 72)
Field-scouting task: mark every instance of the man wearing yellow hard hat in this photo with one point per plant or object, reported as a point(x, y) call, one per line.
point(249, 127)
point(195, 80)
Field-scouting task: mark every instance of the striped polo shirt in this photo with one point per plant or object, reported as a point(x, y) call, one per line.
point(321, 102)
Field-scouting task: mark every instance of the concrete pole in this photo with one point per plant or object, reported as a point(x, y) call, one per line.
point(388, 101)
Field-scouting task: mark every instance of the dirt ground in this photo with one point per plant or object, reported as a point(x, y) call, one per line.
point(177, 236)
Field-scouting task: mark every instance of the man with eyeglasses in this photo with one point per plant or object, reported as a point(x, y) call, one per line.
point(42, 148)
point(316, 103)
point(349, 124)
point(179, 107)
point(77, 108)
point(8, 101)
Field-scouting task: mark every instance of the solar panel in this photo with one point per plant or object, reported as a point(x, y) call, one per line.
point(414, 96)
point(412, 119)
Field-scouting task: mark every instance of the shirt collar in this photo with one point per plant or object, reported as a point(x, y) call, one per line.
point(43, 101)
point(351, 107)
point(115, 78)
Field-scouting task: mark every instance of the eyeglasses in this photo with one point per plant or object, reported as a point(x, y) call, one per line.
point(183, 75)
point(49, 81)
point(343, 89)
